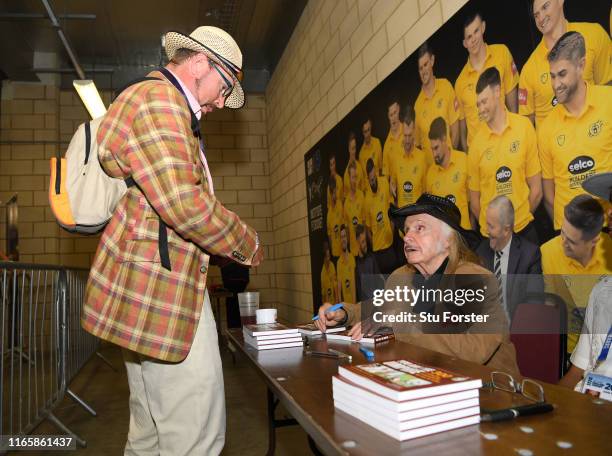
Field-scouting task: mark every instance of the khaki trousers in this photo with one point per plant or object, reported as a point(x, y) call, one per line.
point(178, 409)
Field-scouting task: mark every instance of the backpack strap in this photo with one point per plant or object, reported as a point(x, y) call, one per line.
point(87, 141)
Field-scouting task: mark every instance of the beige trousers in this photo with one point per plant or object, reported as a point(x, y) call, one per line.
point(178, 409)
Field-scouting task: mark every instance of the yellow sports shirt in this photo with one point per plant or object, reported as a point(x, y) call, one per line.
point(354, 214)
point(394, 147)
point(377, 215)
point(408, 176)
point(500, 165)
point(574, 148)
point(346, 278)
point(334, 222)
point(573, 282)
point(329, 283)
point(339, 190)
point(498, 56)
point(443, 103)
point(451, 182)
point(373, 151)
point(362, 179)
point(535, 88)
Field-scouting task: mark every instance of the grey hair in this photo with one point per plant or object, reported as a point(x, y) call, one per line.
point(505, 210)
point(569, 47)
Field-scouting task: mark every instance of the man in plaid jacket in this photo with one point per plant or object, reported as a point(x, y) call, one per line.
point(147, 286)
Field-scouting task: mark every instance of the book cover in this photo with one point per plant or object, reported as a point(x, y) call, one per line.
point(598, 385)
point(372, 338)
point(310, 329)
point(275, 346)
point(255, 341)
point(403, 379)
point(268, 329)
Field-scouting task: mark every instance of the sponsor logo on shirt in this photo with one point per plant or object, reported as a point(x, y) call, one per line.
point(452, 198)
point(355, 221)
point(522, 96)
point(544, 78)
point(347, 284)
point(595, 128)
point(554, 102)
point(581, 164)
point(379, 216)
point(503, 174)
point(408, 187)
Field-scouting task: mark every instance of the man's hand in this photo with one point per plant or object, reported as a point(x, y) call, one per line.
point(355, 331)
point(330, 318)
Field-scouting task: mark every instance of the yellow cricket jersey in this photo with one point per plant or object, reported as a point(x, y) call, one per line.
point(354, 214)
point(335, 219)
point(535, 88)
point(498, 56)
point(339, 190)
point(500, 165)
point(572, 281)
point(408, 176)
point(377, 215)
point(346, 278)
point(394, 147)
point(373, 151)
point(329, 283)
point(574, 148)
point(443, 103)
point(362, 179)
point(451, 183)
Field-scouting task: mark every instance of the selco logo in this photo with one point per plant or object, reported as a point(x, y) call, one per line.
point(347, 283)
point(503, 174)
point(581, 164)
point(408, 187)
point(452, 198)
point(355, 221)
point(379, 217)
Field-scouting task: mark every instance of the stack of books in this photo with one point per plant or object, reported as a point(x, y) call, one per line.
point(405, 399)
point(310, 329)
point(270, 336)
point(373, 338)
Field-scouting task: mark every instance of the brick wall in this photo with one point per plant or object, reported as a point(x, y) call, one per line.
point(339, 51)
point(32, 113)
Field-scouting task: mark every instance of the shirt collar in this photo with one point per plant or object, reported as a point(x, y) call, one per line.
point(506, 250)
point(588, 102)
point(434, 90)
point(193, 103)
point(506, 125)
point(487, 57)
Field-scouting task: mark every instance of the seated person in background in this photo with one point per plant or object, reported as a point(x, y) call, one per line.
point(590, 354)
point(574, 261)
point(329, 280)
point(510, 257)
point(439, 261)
point(367, 274)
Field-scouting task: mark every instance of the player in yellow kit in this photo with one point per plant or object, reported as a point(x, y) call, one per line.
point(536, 95)
point(347, 292)
point(370, 148)
point(481, 57)
point(503, 159)
point(436, 99)
point(335, 219)
point(377, 203)
point(329, 280)
point(354, 208)
point(407, 177)
point(447, 176)
point(393, 144)
point(575, 140)
point(361, 177)
point(333, 175)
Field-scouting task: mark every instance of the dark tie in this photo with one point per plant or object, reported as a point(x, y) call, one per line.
point(498, 274)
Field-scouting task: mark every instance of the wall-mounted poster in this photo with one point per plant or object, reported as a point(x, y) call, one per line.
point(431, 126)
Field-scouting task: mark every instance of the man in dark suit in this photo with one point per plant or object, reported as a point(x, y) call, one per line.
point(515, 261)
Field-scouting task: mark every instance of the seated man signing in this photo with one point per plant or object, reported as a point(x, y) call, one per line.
point(441, 300)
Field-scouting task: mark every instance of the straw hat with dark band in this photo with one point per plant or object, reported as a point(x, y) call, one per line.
point(220, 47)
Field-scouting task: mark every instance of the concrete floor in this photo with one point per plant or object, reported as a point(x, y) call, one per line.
point(107, 392)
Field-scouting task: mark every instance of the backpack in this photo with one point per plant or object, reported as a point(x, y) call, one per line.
point(82, 196)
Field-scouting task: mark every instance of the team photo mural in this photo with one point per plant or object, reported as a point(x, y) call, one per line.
point(505, 99)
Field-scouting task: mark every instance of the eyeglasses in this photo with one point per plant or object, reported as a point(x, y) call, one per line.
point(228, 85)
point(527, 388)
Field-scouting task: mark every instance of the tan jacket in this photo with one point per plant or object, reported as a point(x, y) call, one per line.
point(483, 343)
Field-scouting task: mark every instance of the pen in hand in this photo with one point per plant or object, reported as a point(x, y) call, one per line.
point(331, 309)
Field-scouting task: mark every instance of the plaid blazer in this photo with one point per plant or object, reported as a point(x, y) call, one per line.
point(130, 299)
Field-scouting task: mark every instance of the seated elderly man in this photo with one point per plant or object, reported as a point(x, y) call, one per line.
point(442, 299)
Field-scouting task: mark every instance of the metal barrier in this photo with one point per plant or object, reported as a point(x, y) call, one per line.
point(42, 343)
